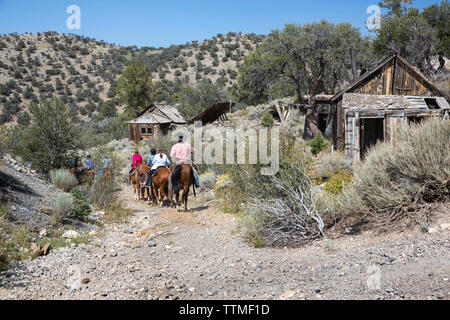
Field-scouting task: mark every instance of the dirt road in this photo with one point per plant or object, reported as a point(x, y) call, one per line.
point(164, 254)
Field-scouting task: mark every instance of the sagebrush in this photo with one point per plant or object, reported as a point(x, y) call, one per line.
point(396, 184)
point(63, 179)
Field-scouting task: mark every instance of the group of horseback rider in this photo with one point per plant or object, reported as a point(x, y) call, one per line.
point(179, 154)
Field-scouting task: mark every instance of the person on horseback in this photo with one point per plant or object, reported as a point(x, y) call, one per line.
point(88, 163)
point(136, 161)
point(159, 161)
point(151, 157)
point(181, 154)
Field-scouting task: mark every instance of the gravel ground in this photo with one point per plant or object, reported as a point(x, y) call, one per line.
point(164, 254)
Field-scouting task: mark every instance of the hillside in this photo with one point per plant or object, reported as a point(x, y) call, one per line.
point(83, 72)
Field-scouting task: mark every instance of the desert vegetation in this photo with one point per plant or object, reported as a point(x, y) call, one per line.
point(65, 96)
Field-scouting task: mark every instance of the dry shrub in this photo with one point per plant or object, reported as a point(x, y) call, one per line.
point(332, 162)
point(63, 179)
point(396, 185)
point(61, 206)
point(208, 181)
point(287, 213)
point(103, 192)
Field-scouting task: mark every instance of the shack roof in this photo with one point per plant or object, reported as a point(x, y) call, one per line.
point(167, 114)
point(361, 102)
point(212, 113)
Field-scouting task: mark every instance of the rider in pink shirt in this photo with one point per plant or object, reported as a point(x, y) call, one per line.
point(181, 153)
point(137, 160)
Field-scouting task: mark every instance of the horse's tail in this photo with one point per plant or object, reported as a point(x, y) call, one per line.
point(176, 178)
point(193, 186)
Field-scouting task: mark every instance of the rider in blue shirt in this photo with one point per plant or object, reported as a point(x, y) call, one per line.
point(88, 163)
point(151, 158)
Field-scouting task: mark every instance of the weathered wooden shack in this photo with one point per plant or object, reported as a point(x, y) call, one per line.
point(371, 108)
point(155, 120)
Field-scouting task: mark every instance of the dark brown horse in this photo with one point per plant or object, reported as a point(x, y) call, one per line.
point(160, 185)
point(81, 173)
point(182, 179)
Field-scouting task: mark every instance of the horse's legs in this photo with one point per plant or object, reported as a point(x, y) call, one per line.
point(185, 198)
point(150, 195)
point(177, 198)
point(135, 192)
point(161, 194)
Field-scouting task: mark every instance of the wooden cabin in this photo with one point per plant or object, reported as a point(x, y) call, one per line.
point(157, 119)
point(371, 109)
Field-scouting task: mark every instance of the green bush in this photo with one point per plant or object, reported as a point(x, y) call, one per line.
point(398, 183)
point(318, 144)
point(47, 142)
point(81, 208)
point(337, 181)
point(63, 179)
point(267, 120)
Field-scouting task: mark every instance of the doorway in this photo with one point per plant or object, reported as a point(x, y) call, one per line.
point(371, 132)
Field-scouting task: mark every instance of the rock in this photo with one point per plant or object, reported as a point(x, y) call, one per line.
point(157, 275)
point(43, 233)
point(257, 266)
point(210, 293)
point(445, 226)
point(71, 234)
point(287, 295)
point(389, 289)
point(432, 230)
point(152, 244)
point(113, 253)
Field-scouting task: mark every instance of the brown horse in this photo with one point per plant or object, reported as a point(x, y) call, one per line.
point(182, 179)
point(138, 179)
point(160, 180)
point(82, 174)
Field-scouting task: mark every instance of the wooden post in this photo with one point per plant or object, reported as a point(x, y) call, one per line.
point(357, 138)
point(280, 114)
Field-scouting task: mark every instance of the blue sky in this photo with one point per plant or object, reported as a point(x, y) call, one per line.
point(162, 23)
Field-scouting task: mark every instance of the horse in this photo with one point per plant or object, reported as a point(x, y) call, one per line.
point(182, 178)
point(81, 173)
point(138, 179)
point(160, 180)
